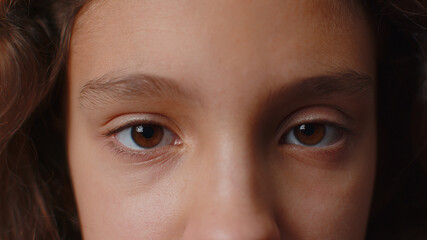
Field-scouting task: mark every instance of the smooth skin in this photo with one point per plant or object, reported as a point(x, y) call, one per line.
point(228, 81)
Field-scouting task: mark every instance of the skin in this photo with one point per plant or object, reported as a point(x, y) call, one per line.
point(236, 70)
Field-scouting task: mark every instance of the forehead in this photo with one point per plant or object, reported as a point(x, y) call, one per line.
point(189, 37)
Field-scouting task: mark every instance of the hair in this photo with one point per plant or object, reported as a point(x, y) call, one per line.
point(36, 197)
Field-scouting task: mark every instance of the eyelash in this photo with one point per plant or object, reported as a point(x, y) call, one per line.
point(163, 151)
point(340, 132)
point(141, 155)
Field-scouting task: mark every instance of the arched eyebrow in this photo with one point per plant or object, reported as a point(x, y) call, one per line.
point(345, 83)
point(333, 87)
point(112, 88)
point(116, 88)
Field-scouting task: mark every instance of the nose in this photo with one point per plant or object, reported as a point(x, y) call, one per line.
point(230, 202)
point(218, 222)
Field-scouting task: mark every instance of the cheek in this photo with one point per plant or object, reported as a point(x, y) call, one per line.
point(332, 203)
point(117, 200)
point(120, 201)
point(113, 206)
point(115, 203)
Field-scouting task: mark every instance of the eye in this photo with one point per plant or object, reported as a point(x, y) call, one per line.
point(313, 135)
point(145, 136)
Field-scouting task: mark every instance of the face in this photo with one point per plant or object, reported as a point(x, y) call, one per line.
point(222, 119)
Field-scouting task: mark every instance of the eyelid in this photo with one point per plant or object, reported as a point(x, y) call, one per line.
point(332, 135)
point(124, 137)
point(146, 156)
point(322, 114)
point(121, 122)
point(152, 156)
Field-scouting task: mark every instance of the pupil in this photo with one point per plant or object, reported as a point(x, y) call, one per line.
point(145, 130)
point(307, 129)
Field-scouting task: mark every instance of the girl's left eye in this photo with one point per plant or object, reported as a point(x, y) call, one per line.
point(313, 135)
point(145, 136)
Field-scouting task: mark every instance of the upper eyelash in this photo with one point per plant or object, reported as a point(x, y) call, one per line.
point(331, 124)
point(346, 132)
point(129, 125)
point(135, 156)
point(350, 121)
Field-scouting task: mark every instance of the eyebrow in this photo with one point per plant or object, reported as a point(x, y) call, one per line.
point(323, 86)
point(112, 88)
point(349, 82)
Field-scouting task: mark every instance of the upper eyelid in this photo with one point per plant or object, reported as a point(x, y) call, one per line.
point(124, 121)
point(340, 127)
point(330, 124)
point(130, 124)
point(343, 121)
point(285, 126)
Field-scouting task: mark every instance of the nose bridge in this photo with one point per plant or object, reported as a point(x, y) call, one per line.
point(229, 202)
point(230, 160)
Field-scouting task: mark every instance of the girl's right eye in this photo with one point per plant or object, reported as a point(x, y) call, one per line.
point(145, 136)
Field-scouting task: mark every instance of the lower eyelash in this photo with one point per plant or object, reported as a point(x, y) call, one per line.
point(122, 152)
point(142, 157)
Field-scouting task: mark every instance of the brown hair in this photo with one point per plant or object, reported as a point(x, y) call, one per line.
point(36, 199)
point(399, 207)
point(24, 60)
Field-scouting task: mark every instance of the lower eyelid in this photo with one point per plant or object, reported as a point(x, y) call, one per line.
point(331, 156)
point(151, 156)
point(172, 148)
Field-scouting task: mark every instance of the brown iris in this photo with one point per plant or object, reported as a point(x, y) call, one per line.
point(310, 134)
point(147, 135)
